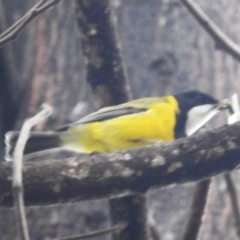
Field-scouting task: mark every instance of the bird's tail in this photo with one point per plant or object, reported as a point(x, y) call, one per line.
point(37, 142)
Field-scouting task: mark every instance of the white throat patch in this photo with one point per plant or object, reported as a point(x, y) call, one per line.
point(198, 117)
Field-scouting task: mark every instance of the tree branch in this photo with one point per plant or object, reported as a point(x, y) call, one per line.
point(137, 170)
point(131, 209)
point(234, 201)
point(12, 32)
point(116, 228)
point(106, 73)
point(222, 40)
point(17, 169)
point(197, 210)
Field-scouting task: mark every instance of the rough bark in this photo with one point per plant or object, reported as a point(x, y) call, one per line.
point(101, 49)
point(132, 210)
point(197, 210)
point(105, 175)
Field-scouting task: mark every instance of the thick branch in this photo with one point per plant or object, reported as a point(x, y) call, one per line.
point(234, 200)
point(106, 76)
point(105, 70)
point(132, 210)
point(222, 40)
point(138, 170)
point(197, 210)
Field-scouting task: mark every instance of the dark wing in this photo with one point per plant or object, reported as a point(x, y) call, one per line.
point(132, 107)
point(104, 114)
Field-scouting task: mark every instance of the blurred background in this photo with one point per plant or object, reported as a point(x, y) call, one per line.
point(164, 50)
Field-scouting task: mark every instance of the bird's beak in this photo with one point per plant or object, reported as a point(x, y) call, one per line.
point(225, 104)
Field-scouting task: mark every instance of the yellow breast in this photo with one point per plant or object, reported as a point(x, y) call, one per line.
point(127, 131)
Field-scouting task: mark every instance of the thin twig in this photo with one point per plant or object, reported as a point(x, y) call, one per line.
point(17, 185)
point(45, 6)
point(116, 228)
point(222, 40)
point(16, 24)
point(12, 32)
point(234, 200)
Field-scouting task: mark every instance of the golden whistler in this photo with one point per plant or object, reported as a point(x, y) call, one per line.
point(133, 124)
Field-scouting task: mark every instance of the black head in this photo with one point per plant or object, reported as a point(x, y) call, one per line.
point(190, 99)
point(187, 101)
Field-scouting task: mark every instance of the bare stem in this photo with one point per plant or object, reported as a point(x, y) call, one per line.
point(13, 32)
point(17, 185)
point(115, 228)
point(222, 40)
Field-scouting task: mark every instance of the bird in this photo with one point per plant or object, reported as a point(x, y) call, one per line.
point(132, 124)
